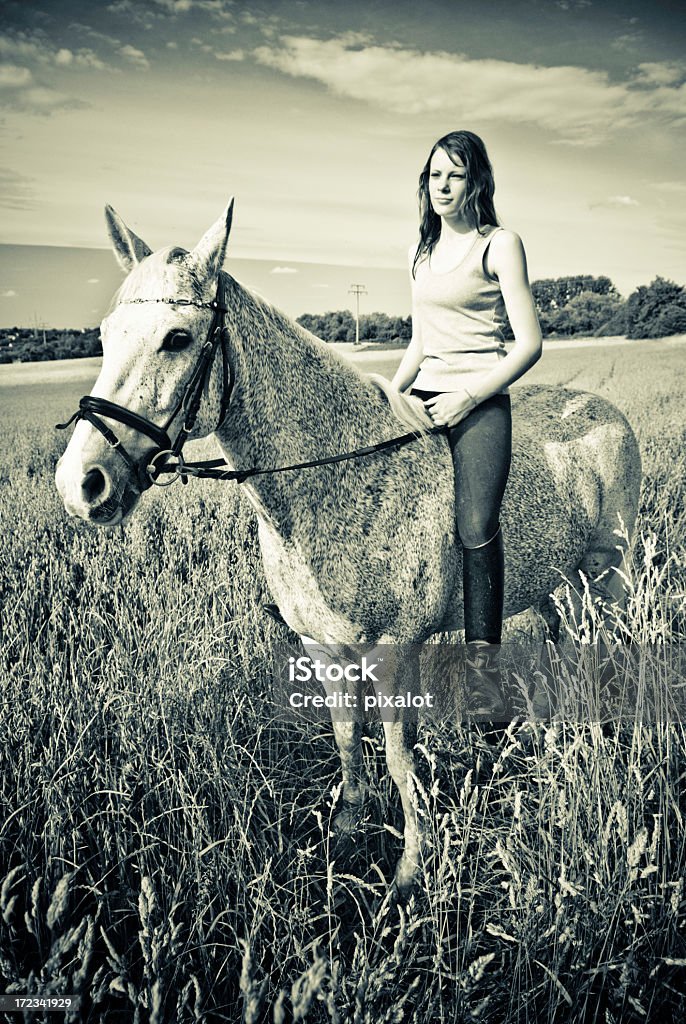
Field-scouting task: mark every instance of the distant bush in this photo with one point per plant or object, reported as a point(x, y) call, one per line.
point(552, 294)
point(656, 310)
point(340, 326)
point(593, 306)
point(580, 304)
point(23, 344)
point(615, 325)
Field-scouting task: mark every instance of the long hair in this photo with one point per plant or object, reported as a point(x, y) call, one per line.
point(478, 208)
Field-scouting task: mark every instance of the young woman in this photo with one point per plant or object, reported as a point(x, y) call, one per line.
point(467, 271)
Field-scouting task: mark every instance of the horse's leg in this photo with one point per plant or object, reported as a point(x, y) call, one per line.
point(542, 697)
point(582, 667)
point(620, 475)
point(401, 737)
point(347, 730)
point(348, 736)
point(551, 617)
point(601, 583)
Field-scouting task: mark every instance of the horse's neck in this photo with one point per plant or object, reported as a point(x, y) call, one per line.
point(292, 399)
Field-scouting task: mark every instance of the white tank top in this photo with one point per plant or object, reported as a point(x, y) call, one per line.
point(460, 316)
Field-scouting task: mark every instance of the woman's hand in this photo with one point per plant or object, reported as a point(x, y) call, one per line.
point(448, 409)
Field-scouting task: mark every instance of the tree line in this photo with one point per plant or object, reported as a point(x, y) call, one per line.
point(579, 305)
point(29, 344)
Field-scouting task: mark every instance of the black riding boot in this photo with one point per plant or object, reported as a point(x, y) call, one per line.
point(483, 587)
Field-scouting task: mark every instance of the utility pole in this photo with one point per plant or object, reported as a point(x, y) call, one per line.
point(38, 326)
point(357, 290)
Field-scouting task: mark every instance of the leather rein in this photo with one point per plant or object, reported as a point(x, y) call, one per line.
point(167, 457)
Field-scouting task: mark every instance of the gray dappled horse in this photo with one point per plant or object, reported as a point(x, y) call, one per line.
point(360, 551)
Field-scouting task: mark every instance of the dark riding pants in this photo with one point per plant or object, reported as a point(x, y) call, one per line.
point(481, 446)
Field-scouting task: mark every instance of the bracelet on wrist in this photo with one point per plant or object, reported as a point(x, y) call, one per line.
point(471, 396)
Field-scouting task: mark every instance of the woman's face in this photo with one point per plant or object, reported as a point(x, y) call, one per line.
point(447, 183)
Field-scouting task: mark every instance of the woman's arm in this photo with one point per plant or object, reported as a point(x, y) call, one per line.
point(507, 262)
point(410, 362)
point(414, 353)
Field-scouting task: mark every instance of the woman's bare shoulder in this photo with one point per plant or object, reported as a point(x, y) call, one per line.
point(506, 249)
point(506, 240)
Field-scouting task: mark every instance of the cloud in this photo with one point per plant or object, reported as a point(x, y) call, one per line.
point(671, 186)
point(139, 13)
point(93, 280)
point(14, 77)
point(220, 9)
point(33, 47)
point(145, 12)
point(578, 105)
point(82, 58)
point(88, 59)
point(135, 56)
point(92, 33)
point(627, 41)
point(660, 73)
point(18, 91)
point(9, 294)
point(37, 50)
point(283, 270)
point(26, 52)
point(232, 55)
point(618, 202)
point(623, 201)
point(615, 202)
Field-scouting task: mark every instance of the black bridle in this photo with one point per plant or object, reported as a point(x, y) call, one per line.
point(167, 457)
point(161, 460)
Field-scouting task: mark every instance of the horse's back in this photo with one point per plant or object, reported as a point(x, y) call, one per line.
point(581, 430)
point(561, 414)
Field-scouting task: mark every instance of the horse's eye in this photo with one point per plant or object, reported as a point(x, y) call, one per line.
point(176, 341)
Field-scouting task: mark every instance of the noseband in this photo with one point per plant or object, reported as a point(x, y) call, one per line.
point(161, 460)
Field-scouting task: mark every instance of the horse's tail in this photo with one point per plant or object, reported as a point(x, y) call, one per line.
point(408, 410)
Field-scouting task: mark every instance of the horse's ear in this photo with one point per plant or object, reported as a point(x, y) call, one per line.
point(128, 247)
point(208, 256)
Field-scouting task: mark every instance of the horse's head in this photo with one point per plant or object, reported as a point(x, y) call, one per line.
point(154, 342)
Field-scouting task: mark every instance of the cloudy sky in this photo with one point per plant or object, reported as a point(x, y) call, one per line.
point(319, 115)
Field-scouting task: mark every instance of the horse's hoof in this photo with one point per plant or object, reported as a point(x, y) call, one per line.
point(490, 735)
point(348, 819)
point(405, 882)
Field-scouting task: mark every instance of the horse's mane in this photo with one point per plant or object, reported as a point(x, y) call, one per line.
point(409, 411)
point(166, 274)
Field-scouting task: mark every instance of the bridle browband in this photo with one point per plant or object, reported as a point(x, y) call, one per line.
point(167, 457)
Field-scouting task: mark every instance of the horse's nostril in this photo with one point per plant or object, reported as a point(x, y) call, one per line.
point(94, 486)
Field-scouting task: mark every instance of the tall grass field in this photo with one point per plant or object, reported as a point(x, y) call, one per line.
point(165, 844)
